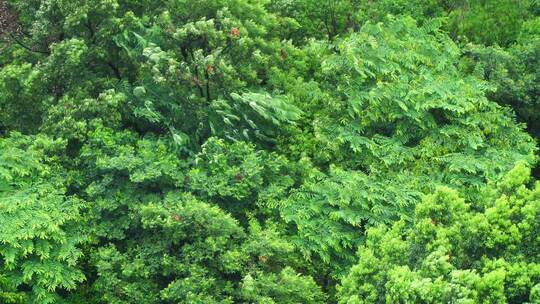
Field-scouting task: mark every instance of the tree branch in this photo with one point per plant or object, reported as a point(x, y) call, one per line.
point(21, 44)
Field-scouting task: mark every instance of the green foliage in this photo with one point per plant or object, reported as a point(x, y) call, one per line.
point(477, 252)
point(252, 116)
point(122, 170)
point(16, 82)
point(513, 72)
point(322, 19)
point(193, 252)
point(420, 10)
point(41, 233)
point(213, 151)
point(205, 73)
point(401, 120)
point(9, 295)
point(402, 103)
point(332, 212)
point(489, 21)
point(237, 170)
point(180, 242)
point(287, 287)
point(74, 119)
point(145, 160)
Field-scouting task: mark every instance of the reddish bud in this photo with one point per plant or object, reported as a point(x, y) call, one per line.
point(235, 32)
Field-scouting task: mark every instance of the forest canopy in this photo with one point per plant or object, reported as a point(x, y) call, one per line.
point(269, 151)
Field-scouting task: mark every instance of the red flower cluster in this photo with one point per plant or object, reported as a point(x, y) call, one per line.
point(235, 32)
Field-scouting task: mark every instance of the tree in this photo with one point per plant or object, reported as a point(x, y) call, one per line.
point(489, 22)
point(188, 251)
point(41, 232)
point(397, 119)
point(237, 151)
point(513, 72)
point(455, 250)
